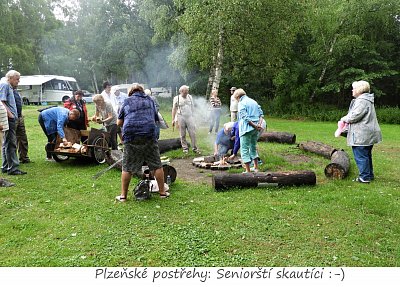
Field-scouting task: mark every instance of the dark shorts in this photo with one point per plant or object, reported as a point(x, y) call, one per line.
point(139, 151)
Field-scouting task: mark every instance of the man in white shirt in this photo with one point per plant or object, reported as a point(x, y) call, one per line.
point(106, 93)
point(182, 113)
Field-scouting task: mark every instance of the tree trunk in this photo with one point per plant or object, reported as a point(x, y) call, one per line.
point(95, 80)
point(339, 166)
point(210, 79)
point(219, 60)
point(164, 146)
point(330, 51)
point(318, 148)
point(289, 178)
point(216, 69)
point(279, 137)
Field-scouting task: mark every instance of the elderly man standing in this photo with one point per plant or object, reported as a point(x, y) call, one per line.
point(138, 117)
point(10, 162)
point(182, 113)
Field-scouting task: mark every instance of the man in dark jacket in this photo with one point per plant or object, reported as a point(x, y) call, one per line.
point(138, 117)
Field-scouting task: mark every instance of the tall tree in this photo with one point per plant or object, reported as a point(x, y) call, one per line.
point(23, 23)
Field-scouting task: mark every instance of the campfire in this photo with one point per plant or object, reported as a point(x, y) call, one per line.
point(212, 162)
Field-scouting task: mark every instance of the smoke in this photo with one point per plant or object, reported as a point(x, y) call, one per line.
point(159, 71)
point(202, 117)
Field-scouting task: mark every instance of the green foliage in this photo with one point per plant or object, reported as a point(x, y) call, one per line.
point(23, 23)
point(57, 215)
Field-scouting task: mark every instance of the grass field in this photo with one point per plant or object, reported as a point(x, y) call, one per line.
point(57, 215)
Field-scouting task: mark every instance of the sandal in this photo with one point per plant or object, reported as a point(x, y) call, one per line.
point(120, 198)
point(165, 195)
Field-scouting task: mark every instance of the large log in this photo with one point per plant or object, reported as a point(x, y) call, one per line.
point(115, 155)
point(339, 166)
point(169, 144)
point(163, 145)
point(318, 148)
point(278, 137)
point(224, 181)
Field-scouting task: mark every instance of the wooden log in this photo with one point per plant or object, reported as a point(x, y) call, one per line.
point(164, 145)
point(278, 137)
point(210, 159)
point(169, 144)
point(339, 166)
point(318, 148)
point(224, 181)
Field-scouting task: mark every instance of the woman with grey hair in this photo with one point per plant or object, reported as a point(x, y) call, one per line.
point(106, 115)
point(250, 117)
point(364, 130)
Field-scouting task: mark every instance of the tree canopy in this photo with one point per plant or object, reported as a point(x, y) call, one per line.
point(284, 51)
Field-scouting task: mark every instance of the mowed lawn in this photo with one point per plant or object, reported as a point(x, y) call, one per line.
point(57, 215)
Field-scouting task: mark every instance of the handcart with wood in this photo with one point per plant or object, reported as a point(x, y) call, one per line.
point(92, 144)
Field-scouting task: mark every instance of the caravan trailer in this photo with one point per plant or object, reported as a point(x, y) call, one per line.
point(40, 89)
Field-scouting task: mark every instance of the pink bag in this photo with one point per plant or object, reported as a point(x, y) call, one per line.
point(342, 128)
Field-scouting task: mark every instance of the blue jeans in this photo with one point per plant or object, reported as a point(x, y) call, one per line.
point(215, 115)
point(363, 158)
point(10, 162)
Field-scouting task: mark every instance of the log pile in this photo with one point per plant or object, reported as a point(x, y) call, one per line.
point(339, 166)
point(212, 162)
point(278, 137)
point(290, 178)
point(71, 148)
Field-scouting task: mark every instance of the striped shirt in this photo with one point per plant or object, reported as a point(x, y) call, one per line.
point(215, 103)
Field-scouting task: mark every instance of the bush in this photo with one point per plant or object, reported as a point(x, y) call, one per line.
point(322, 112)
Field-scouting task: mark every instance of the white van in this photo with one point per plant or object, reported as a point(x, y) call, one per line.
point(40, 89)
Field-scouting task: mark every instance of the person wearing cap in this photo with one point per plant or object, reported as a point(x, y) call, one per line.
point(234, 106)
point(117, 99)
point(138, 118)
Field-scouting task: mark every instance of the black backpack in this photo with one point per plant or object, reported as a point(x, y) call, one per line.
point(142, 190)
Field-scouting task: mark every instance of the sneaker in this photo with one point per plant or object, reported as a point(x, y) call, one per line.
point(360, 180)
point(196, 151)
point(50, 159)
point(252, 169)
point(185, 151)
point(17, 172)
point(119, 198)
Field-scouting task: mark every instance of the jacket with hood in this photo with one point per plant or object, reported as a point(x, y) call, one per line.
point(364, 129)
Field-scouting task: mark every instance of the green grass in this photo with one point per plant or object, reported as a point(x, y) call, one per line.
point(57, 215)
